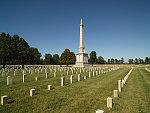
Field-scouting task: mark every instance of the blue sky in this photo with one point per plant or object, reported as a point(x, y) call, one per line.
point(112, 28)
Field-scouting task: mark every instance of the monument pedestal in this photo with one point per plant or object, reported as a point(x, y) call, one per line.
point(81, 60)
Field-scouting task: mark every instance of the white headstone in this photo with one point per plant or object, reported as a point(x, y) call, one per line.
point(9, 80)
point(96, 73)
point(116, 93)
point(4, 100)
point(79, 77)
point(62, 81)
point(32, 92)
point(99, 111)
point(15, 73)
point(71, 79)
point(55, 74)
point(85, 77)
point(39, 71)
point(119, 85)
point(49, 87)
point(67, 72)
point(36, 78)
point(47, 75)
point(109, 102)
point(3, 74)
point(89, 74)
point(93, 73)
point(24, 78)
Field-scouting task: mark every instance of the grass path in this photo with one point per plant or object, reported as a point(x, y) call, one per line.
point(135, 97)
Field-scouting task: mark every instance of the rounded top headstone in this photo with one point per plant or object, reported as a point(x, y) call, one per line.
point(99, 111)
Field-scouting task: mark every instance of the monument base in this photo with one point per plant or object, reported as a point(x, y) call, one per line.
point(81, 64)
point(81, 60)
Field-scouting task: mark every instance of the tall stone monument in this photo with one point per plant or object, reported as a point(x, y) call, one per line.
point(81, 57)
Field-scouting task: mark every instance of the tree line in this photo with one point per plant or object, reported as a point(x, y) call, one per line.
point(14, 50)
point(100, 60)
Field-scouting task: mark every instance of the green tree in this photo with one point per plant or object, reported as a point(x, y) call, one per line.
point(48, 59)
point(141, 61)
point(5, 48)
point(68, 57)
point(130, 61)
point(25, 55)
point(146, 60)
point(41, 61)
point(112, 61)
point(122, 60)
point(100, 60)
point(36, 55)
point(93, 58)
point(116, 61)
point(136, 61)
point(56, 58)
point(108, 61)
point(15, 49)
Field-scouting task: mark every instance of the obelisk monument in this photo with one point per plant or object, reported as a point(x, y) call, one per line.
point(81, 57)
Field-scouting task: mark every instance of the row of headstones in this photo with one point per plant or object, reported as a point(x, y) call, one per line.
point(9, 78)
point(116, 92)
point(72, 69)
point(79, 77)
point(4, 99)
point(4, 73)
point(39, 70)
point(60, 70)
point(62, 78)
point(49, 66)
point(147, 69)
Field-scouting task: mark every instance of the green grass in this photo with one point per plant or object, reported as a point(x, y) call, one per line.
point(80, 97)
point(135, 97)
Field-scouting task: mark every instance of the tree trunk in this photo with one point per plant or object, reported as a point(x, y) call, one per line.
point(4, 66)
point(4, 63)
point(22, 66)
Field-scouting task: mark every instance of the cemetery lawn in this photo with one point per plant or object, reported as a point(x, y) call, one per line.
point(135, 97)
point(85, 96)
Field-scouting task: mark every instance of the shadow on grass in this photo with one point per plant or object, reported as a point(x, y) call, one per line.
point(10, 102)
point(37, 93)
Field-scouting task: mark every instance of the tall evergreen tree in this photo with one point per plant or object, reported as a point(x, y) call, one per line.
point(25, 55)
point(48, 59)
point(36, 55)
point(93, 58)
point(56, 58)
point(5, 48)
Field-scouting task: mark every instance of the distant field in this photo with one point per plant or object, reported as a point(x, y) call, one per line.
point(85, 96)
